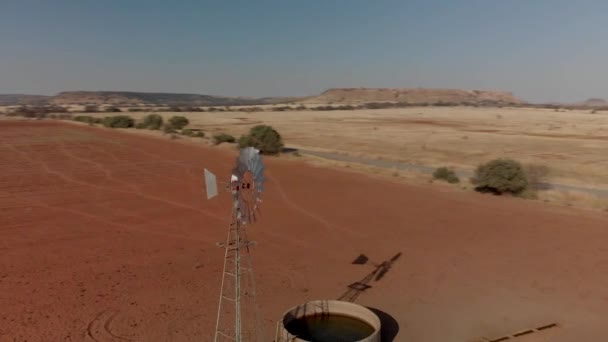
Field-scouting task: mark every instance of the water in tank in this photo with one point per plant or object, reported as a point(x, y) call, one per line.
point(329, 328)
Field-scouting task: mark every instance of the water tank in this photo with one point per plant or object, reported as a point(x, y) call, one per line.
point(328, 321)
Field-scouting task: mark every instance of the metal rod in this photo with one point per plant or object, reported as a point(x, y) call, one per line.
point(219, 309)
point(237, 272)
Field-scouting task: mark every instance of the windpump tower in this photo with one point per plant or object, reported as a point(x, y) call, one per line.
point(238, 317)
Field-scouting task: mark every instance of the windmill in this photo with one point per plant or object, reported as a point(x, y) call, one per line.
point(238, 317)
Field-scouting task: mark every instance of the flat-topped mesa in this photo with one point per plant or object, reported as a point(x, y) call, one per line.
point(137, 98)
point(594, 102)
point(413, 95)
point(22, 99)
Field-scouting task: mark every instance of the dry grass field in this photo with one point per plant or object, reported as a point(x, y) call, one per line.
point(572, 145)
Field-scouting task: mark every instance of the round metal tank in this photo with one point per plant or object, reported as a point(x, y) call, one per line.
point(319, 314)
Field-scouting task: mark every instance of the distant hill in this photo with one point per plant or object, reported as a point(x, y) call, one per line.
point(22, 99)
point(593, 102)
point(412, 95)
point(336, 95)
point(137, 98)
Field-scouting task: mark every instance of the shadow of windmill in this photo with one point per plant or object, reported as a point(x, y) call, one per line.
point(355, 289)
point(390, 327)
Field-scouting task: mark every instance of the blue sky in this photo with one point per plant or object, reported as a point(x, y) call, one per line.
point(542, 50)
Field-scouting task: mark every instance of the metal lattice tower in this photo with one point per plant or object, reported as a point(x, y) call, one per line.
point(238, 317)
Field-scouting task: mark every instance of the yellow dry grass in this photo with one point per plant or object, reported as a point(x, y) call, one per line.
point(573, 144)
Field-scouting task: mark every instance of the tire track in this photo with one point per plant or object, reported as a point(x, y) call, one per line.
point(69, 179)
point(143, 170)
point(99, 329)
point(102, 168)
point(308, 213)
point(39, 204)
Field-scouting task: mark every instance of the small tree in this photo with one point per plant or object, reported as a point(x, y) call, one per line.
point(178, 122)
point(193, 133)
point(84, 118)
point(264, 138)
point(118, 121)
point(501, 176)
point(91, 109)
point(223, 137)
point(152, 121)
point(446, 174)
point(167, 128)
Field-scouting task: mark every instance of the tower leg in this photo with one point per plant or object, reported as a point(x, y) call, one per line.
point(238, 317)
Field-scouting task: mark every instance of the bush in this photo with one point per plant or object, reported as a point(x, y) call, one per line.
point(37, 111)
point(264, 138)
point(118, 121)
point(91, 109)
point(193, 109)
point(112, 110)
point(167, 129)
point(152, 121)
point(193, 133)
point(501, 176)
point(443, 173)
point(223, 137)
point(84, 118)
point(178, 122)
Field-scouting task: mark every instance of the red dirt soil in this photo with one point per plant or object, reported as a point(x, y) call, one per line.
point(107, 236)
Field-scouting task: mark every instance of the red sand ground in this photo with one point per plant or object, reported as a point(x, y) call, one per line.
point(107, 236)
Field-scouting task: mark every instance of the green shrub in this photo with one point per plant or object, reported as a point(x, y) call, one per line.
point(118, 121)
point(152, 121)
point(178, 122)
point(90, 109)
point(443, 173)
point(264, 138)
point(501, 176)
point(193, 133)
point(167, 129)
point(188, 132)
point(84, 118)
point(223, 137)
